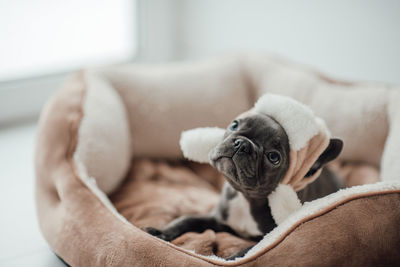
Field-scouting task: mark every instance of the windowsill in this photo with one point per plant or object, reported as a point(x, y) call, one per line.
point(22, 100)
point(21, 243)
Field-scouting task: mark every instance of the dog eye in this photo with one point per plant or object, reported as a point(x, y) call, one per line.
point(274, 157)
point(234, 125)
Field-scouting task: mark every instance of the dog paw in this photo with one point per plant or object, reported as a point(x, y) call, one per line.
point(152, 231)
point(157, 233)
point(238, 254)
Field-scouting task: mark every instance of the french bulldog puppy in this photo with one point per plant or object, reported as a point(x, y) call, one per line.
point(254, 158)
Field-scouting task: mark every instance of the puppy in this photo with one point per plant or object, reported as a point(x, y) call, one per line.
point(254, 155)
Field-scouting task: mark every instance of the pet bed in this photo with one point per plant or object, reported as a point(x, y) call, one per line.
point(108, 163)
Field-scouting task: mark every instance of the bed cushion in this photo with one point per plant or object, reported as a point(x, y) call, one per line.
point(107, 152)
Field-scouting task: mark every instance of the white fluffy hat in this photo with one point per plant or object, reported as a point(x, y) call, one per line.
point(297, 120)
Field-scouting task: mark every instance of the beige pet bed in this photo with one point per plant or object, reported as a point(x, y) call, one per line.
point(108, 163)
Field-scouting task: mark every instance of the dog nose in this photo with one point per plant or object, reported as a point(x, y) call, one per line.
point(241, 145)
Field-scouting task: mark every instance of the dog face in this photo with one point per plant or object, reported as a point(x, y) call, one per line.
point(254, 154)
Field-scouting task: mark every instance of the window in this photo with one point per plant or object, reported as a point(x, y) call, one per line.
point(47, 36)
point(42, 39)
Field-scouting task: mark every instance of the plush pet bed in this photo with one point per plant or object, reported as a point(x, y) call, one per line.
point(108, 164)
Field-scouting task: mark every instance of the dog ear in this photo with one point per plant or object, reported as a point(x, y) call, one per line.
point(331, 152)
point(196, 144)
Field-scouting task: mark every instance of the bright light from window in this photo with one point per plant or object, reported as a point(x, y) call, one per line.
point(48, 36)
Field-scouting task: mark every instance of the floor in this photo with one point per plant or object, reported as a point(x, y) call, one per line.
point(21, 243)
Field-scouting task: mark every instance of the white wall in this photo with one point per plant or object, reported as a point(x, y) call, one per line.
point(353, 39)
point(159, 28)
point(349, 39)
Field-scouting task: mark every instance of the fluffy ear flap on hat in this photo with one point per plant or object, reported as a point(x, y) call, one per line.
point(196, 144)
point(283, 201)
point(331, 152)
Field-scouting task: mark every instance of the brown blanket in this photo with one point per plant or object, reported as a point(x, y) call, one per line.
point(156, 192)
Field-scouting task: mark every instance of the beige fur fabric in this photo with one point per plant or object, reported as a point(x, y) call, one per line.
point(390, 167)
point(104, 127)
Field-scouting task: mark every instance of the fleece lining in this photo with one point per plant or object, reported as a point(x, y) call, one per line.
point(283, 202)
point(196, 144)
point(297, 119)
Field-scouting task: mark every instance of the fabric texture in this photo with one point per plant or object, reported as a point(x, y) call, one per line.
point(302, 160)
point(356, 226)
point(283, 201)
point(176, 189)
point(103, 109)
point(297, 119)
point(196, 144)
